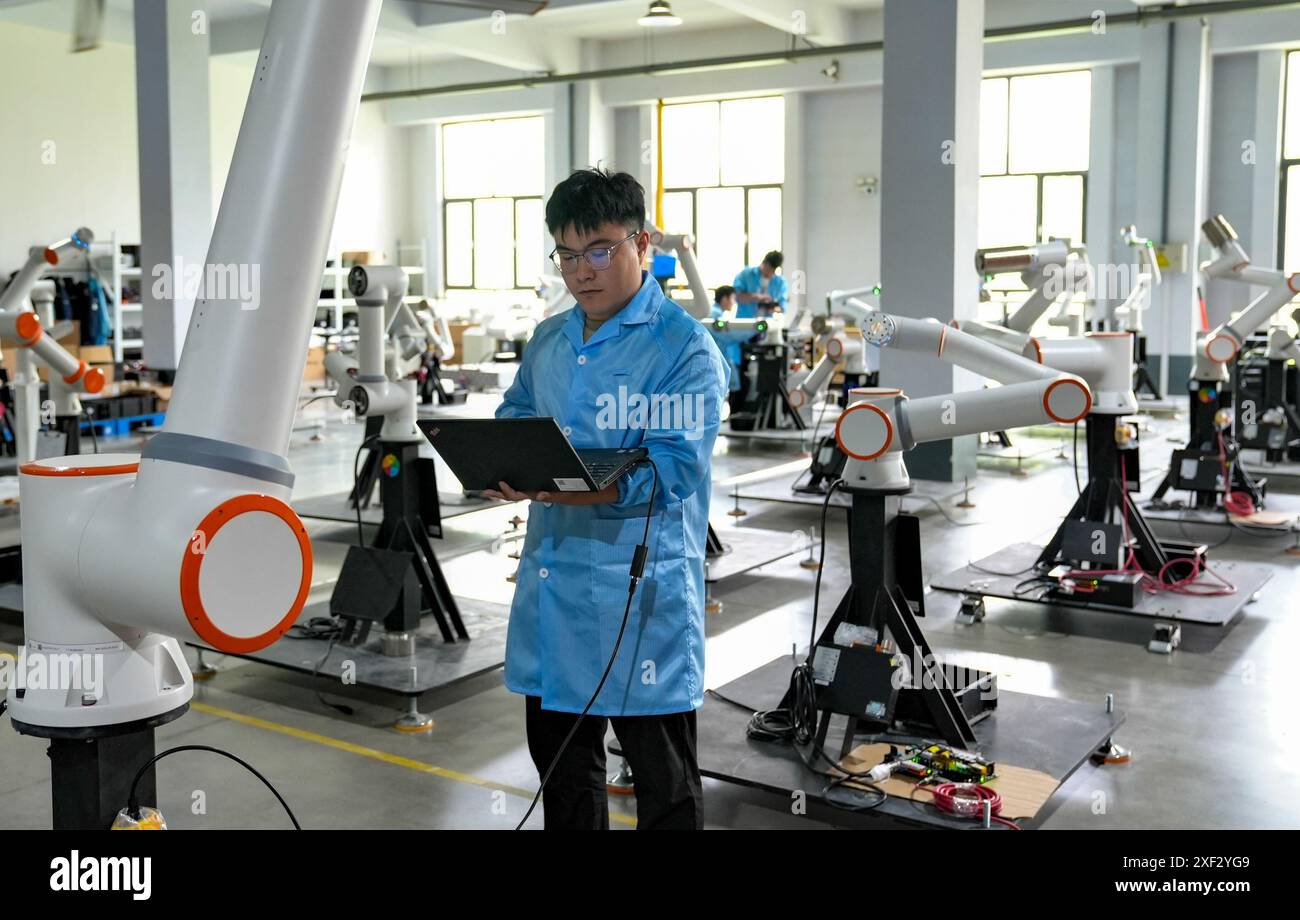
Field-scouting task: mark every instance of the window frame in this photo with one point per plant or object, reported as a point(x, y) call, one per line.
point(694, 190)
point(519, 283)
point(1039, 176)
point(1284, 164)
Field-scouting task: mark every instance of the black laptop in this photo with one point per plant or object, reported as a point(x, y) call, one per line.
point(528, 454)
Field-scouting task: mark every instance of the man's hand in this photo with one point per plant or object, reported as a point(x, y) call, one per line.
point(603, 497)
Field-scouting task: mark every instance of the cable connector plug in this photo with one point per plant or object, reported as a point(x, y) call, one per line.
point(639, 556)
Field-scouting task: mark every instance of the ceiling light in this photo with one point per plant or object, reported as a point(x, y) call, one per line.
point(659, 16)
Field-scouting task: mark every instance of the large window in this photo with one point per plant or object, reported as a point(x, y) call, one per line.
point(1034, 157)
point(1034, 135)
point(724, 163)
point(492, 220)
point(1289, 231)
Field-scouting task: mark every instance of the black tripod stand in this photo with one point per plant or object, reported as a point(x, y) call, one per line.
point(886, 597)
point(397, 579)
point(1198, 468)
point(1103, 508)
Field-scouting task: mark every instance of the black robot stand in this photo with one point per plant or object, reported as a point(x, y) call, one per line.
point(372, 471)
point(397, 579)
point(1270, 384)
point(1104, 500)
point(1206, 398)
point(887, 595)
point(91, 769)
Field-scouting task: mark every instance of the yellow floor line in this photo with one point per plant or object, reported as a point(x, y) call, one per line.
point(374, 754)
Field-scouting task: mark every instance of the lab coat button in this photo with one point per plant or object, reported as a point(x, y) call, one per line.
point(567, 431)
point(582, 359)
point(544, 573)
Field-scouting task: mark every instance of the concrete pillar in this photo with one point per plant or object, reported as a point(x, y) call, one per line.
point(171, 68)
point(593, 121)
point(1172, 203)
point(1101, 232)
point(929, 193)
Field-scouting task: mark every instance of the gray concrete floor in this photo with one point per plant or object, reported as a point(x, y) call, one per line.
point(1213, 735)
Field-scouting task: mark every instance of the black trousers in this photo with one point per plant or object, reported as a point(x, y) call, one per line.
point(660, 750)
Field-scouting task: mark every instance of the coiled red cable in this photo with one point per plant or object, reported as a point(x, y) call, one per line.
point(966, 800)
point(1237, 504)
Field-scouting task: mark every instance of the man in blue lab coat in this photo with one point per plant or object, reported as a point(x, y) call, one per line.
point(759, 288)
point(625, 367)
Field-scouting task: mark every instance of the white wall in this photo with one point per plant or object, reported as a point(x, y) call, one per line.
point(842, 225)
point(85, 105)
point(67, 141)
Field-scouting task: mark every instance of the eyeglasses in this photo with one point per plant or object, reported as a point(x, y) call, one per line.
point(598, 258)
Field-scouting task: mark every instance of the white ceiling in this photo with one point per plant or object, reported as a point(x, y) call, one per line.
point(414, 32)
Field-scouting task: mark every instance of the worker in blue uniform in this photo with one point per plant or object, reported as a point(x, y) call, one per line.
point(724, 302)
point(759, 289)
point(625, 367)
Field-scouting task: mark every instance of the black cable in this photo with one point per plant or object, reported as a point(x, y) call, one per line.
point(133, 800)
point(728, 700)
point(878, 798)
point(638, 567)
point(322, 628)
point(356, 485)
point(948, 517)
point(798, 721)
point(983, 571)
point(94, 436)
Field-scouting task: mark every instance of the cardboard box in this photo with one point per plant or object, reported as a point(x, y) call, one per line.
point(361, 257)
point(314, 370)
point(97, 354)
point(458, 338)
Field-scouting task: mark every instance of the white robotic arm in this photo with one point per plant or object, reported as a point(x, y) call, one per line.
point(195, 539)
point(1053, 272)
point(841, 306)
point(38, 260)
point(1128, 315)
point(437, 332)
point(880, 423)
point(848, 306)
point(555, 295)
point(1232, 263)
point(22, 325)
point(683, 246)
point(377, 380)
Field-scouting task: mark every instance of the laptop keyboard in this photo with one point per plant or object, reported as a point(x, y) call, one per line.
point(599, 470)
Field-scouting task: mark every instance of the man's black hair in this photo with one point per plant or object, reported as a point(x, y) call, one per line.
point(590, 198)
point(774, 259)
point(722, 293)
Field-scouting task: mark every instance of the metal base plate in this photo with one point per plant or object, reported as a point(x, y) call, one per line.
point(786, 435)
point(1036, 732)
point(1214, 517)
point(1019, 559)
point(336, 507)
point(435, 664)
point(749, 549)
point(781, 489)
point(1285, 471)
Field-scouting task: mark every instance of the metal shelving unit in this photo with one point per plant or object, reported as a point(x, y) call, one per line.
point(334, 280)
point(105, 258)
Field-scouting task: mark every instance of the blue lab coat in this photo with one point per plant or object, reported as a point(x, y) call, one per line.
point(750, 281)
point(573, 574)
point(729, 345)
